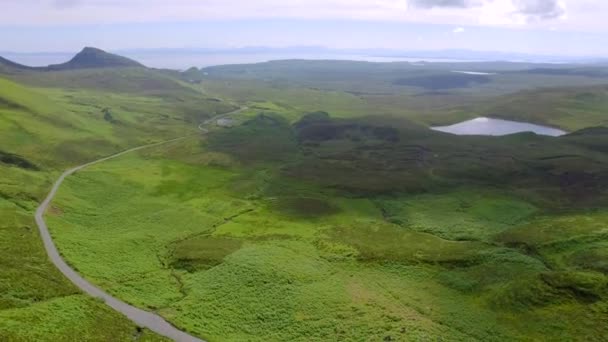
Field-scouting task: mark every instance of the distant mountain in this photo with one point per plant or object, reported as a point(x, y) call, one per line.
point(88, 58)
point(303, 51)
point(7, 65)
point(183, 58)
point(91, 57)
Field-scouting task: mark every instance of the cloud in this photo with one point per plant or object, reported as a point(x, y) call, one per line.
point(535, 10)
point(65, 3)
point(444, 3)
point(504, 13)
point(516, 11)
point(458, 30)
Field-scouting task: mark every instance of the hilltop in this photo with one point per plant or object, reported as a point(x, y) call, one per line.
point(88, 58)
point(91, 57)
point(96, 69)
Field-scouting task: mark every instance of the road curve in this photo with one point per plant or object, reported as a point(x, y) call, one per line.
point(208, 121)
point(140, 317)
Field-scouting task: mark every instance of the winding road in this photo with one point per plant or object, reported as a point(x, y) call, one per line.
point(140, 317)
point(208, 121)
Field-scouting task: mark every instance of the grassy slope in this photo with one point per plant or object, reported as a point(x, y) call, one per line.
point(571, 108)
point(326, 223)
point(225, 239)
point(430, 94)
point(393, 78)
point(43, 131)
point(286, 278)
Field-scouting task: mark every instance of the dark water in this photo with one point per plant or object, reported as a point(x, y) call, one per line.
point(487, 126)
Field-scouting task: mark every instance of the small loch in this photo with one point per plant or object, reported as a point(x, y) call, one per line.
point(497, 127)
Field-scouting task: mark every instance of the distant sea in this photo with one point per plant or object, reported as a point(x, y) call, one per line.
point(184, 61)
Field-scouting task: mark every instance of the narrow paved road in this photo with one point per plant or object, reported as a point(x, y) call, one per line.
point(206, 122)
point(140, 317)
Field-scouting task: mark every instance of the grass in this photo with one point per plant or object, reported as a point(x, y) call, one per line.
point(36, 301)
point(266, 137)
point(573, 242)
point(69, 318)
point(565, 97)
point(570, 108)
point(42, 132)
point(355, 225)
point(249, 249)
point(364, 78)
point(379, 241)
point(56, 128)
point(202, 252)
point(466, 215)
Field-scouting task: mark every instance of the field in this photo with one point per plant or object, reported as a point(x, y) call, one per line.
point(43, 130)
point(327, 211)
point(232, 240)
point(569, 97)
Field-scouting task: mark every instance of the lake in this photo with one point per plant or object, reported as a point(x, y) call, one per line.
point(478, 73)
point(497, 127)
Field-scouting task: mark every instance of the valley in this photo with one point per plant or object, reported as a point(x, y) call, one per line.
point(324, 208)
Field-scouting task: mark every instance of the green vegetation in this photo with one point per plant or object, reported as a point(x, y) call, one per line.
point(44, 130)
point(569, 96)
point(568, 108)
point(69, 318)
point(328, 211)
point(360, 230)
point(36, 301)
point(466, 215)
point(443, 81)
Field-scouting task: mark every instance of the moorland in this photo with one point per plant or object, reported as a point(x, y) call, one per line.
point(325, 210)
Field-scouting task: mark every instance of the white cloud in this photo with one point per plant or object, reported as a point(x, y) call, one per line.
point(540, 9)
point(571, 14)
point(445, 3)
point(458, 30)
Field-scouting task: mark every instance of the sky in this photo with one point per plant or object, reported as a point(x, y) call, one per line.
point(553, 27)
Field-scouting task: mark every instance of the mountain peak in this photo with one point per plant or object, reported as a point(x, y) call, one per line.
point(91, 51)
point(88, 58)
point(91, 57)
point(88, 49)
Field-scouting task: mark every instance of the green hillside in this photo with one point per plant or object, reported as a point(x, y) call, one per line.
point(360, 229)
point(325, 209)
point(46, 127)
point(566, 107)
point(39, 137)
